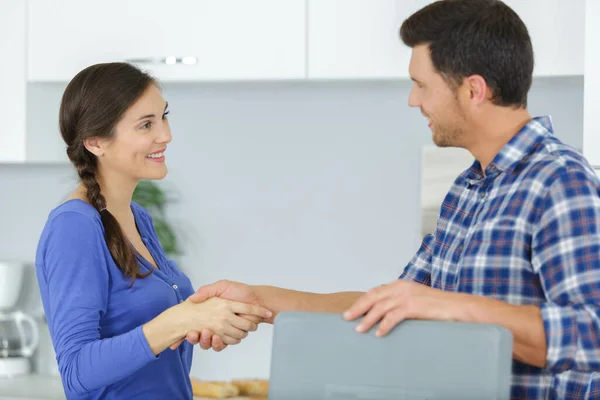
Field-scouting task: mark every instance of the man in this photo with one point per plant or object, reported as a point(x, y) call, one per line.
point(517, 241)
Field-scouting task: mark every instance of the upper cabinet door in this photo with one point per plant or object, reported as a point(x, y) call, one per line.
point(229, 39)
point(557, 31)
point(356, 39)
point(13, 83)
point(591, 85)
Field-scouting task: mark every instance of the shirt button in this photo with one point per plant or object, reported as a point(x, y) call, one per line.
point(174, 286)
point(482, 195)
point(181, 301)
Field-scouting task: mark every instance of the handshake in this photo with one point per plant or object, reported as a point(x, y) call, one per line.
point(222, 314)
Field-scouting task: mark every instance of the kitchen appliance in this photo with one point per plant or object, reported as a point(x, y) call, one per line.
point(19, 332)
point(11, 281)
point(18, 341)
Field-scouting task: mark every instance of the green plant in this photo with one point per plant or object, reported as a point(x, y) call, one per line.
point(150, 196)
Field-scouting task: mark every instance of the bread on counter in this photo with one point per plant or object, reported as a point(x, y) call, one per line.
point(252, 387)
point(214, 389)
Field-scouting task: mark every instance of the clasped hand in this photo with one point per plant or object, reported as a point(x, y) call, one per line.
point(230, 320)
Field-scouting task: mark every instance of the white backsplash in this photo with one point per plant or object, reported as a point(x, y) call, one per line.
point(440, 167)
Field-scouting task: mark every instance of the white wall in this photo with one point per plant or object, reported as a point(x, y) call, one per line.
point(307, 186)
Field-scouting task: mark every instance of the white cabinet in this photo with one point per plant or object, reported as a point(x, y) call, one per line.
point(358, 39)
point(18, 142)
point(557, 32)
point(591, 85)
point(13, 87)
point(230, 39)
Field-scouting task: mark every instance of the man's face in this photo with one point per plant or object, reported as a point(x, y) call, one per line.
point(437, 101)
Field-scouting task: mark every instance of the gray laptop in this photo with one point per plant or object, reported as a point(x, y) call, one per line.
point(317, 356)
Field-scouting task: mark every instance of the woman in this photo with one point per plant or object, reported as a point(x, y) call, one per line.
point(113, 301)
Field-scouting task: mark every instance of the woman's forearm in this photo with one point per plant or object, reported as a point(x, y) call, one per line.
point(164, 330)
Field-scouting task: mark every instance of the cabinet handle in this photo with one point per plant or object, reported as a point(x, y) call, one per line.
point(170, 60)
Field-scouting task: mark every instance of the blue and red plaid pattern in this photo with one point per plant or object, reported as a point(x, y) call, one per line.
point(527, 232)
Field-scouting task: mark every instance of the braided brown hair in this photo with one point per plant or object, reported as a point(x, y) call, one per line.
point(92, 105)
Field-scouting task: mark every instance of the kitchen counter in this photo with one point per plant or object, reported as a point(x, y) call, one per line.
point(31, 387)
point(43, 387)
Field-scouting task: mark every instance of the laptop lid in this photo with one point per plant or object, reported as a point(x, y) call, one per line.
point(320, 356)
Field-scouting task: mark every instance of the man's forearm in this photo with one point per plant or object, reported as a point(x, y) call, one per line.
point(278, 300)
point(525, 323)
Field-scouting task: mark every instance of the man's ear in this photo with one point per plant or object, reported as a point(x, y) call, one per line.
point(95, 146)
point(478, 88)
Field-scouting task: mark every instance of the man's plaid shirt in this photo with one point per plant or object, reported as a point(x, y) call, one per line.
point(528, 233)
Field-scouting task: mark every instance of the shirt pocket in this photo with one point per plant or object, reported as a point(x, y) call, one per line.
point(505, 236)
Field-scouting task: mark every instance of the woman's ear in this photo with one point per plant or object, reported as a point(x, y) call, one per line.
point(95, 146)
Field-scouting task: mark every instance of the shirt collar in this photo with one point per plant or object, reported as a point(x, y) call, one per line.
point(520, 146)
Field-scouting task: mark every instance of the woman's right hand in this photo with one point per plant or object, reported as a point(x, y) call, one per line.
point(214, 314)
point(224, 289)
point(222, 317)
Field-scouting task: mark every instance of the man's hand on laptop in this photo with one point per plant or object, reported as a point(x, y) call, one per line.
point(399, 300)
point(227, 290)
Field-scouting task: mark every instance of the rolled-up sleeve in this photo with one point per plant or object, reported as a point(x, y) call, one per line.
point(419, 267)
point(566, 255)
point(76, 281)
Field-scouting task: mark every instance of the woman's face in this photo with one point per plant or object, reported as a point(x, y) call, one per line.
point(140, 139)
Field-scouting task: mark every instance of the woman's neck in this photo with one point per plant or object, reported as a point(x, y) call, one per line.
point(118, 193)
